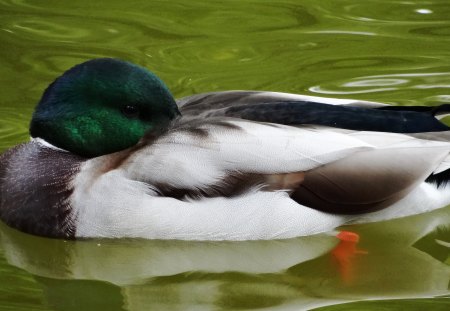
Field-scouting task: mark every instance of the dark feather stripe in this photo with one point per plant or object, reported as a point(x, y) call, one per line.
point(234, 184)
point(35, 190)
point(265, 107)
point(346, 117)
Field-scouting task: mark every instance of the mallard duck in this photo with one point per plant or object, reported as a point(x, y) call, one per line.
point(113, 155)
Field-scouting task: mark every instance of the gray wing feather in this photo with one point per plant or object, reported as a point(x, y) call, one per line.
point(215, 103)
point(369, 180)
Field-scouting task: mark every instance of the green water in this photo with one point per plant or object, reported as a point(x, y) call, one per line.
point(390, 51)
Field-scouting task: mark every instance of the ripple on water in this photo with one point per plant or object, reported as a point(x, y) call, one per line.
point(443, 99)
point(435, 30)
point(265, 17)
point(197, 48)
point(419, 83)
point(68, 30)
point(390, 11)
point(198, 18)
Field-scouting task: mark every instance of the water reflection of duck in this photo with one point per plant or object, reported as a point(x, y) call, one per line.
point(112, 156)
point(302, 272)
point(129, 261)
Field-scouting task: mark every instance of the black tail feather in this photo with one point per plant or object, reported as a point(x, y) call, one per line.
point(440, 180)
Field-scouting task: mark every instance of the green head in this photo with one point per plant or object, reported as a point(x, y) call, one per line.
point(102, 106)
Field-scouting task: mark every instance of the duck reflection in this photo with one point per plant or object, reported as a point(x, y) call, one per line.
point(401, 258)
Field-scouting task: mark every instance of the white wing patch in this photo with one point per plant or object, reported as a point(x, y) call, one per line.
point(322, 100)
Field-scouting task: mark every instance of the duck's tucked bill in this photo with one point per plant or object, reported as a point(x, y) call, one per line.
point(114, 155)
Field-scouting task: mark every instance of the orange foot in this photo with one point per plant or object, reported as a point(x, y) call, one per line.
point(344, 253)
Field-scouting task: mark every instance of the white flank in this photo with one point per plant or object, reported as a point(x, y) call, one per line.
point(124, 203)
point(116, 207)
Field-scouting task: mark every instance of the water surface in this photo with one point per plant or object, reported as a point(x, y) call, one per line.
point(396, 52)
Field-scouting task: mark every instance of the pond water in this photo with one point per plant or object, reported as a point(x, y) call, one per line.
point(396, 52)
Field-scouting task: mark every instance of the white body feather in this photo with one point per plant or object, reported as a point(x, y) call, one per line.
point(124, 202)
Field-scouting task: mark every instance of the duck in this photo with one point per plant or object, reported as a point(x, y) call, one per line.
point(113, 155)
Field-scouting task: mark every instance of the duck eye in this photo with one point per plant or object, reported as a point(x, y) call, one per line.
point(130, 111)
